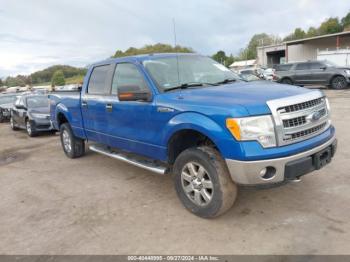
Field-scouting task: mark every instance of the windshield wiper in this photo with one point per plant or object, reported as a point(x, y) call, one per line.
point(188, 85)
point(226, 81)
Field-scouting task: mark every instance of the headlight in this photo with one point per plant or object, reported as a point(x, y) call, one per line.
point(37, 115)
point(259, 128)
point(347, 71)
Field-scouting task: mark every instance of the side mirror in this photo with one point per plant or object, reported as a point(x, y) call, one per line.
point(133, 93)
point(134, 96)
point(323, 67)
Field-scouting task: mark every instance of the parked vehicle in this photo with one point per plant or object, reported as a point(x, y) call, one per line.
point(31, 112)
point(269, 74)
point(189, 116)
point(249, 77)
point(6, 103)
point(316, 73)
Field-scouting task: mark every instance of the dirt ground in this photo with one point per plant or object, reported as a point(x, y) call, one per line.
point(50, 204)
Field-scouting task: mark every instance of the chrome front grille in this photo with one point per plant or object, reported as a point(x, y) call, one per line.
point(301, 106)
point(299, 117)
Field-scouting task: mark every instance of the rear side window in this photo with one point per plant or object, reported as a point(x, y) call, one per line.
point(99, 81)
point(315, 65)
point(283, 67)
point(128, 77)
point(303, 66)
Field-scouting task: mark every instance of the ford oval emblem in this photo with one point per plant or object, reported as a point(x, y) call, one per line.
point(316, 116)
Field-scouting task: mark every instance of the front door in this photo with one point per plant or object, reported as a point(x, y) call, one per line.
point(130, 125)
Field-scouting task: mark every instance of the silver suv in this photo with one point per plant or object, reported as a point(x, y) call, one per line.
point(314, 73)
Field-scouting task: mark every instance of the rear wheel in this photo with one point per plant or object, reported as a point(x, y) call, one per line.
point(203, 183)
point(72, 146)
point(287, 81)
point(339, 82)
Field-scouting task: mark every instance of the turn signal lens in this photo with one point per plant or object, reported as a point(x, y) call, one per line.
point(233, 126)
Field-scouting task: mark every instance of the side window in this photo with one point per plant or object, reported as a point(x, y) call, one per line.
point(302, 66)
point(98, 83)
point(128, 78)
point(315, 65)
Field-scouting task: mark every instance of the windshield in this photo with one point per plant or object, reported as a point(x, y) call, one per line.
point(170, 72)
point(7, 100)
point(37, 101)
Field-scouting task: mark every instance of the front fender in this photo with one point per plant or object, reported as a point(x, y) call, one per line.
point(199, 123)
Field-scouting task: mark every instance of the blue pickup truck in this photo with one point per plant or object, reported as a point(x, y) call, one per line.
point(189, 116)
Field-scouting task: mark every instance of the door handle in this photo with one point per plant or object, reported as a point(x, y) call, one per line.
point(109, 107)
point(84, 104)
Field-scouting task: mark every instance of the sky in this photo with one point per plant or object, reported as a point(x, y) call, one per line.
point(35, 34)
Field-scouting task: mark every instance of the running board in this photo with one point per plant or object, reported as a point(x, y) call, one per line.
point(142, 162)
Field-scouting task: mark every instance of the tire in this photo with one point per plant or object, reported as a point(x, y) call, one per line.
point(210, 196)
point(72, 146)
point(12, 124)
point(30, 128)
point(287, 81)
point(2, 118)
point(339, 82)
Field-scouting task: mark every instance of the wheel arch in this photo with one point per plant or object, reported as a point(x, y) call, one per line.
point(190, 129)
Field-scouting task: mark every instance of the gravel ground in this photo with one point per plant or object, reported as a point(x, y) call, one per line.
point(96, 205)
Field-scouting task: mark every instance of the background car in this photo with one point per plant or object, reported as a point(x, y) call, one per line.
point(31, 112)
point(6, 103)
point(315, 73)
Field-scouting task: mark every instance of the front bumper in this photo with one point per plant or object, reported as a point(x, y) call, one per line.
point(282, 169)
point(42, 125)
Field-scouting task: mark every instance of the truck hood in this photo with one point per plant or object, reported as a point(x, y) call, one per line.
point(6, 106)
point(249, 95)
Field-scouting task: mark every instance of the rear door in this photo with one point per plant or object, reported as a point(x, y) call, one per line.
point(94, 103)
point(302, 74)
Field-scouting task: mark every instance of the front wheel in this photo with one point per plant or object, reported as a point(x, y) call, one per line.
point(339, 82)
point(12, 124)
point(203, 183)
point(287, 81)
point(30, 127)
point(72, 146)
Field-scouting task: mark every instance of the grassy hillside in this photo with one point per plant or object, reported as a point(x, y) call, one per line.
point(70, 80)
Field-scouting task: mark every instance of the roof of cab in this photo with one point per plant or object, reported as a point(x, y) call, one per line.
point(140, 58)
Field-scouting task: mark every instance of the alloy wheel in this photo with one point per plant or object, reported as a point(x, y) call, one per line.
point(67, 143)
point(197, 184)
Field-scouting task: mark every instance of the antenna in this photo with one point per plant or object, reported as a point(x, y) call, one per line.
point(177, 57)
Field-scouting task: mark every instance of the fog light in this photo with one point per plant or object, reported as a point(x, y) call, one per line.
point(268, 172)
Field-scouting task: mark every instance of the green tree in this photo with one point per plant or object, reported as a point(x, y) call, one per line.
point(1, 82)
point(150, 49)
point(330, 26)
point(262, 39)
point(220, 57)
point(14, 81)
point(311, 32)
point(345, 22)
point(299, 33)
point(58, 79)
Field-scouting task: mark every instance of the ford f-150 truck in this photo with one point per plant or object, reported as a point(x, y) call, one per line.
point(189, 116)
